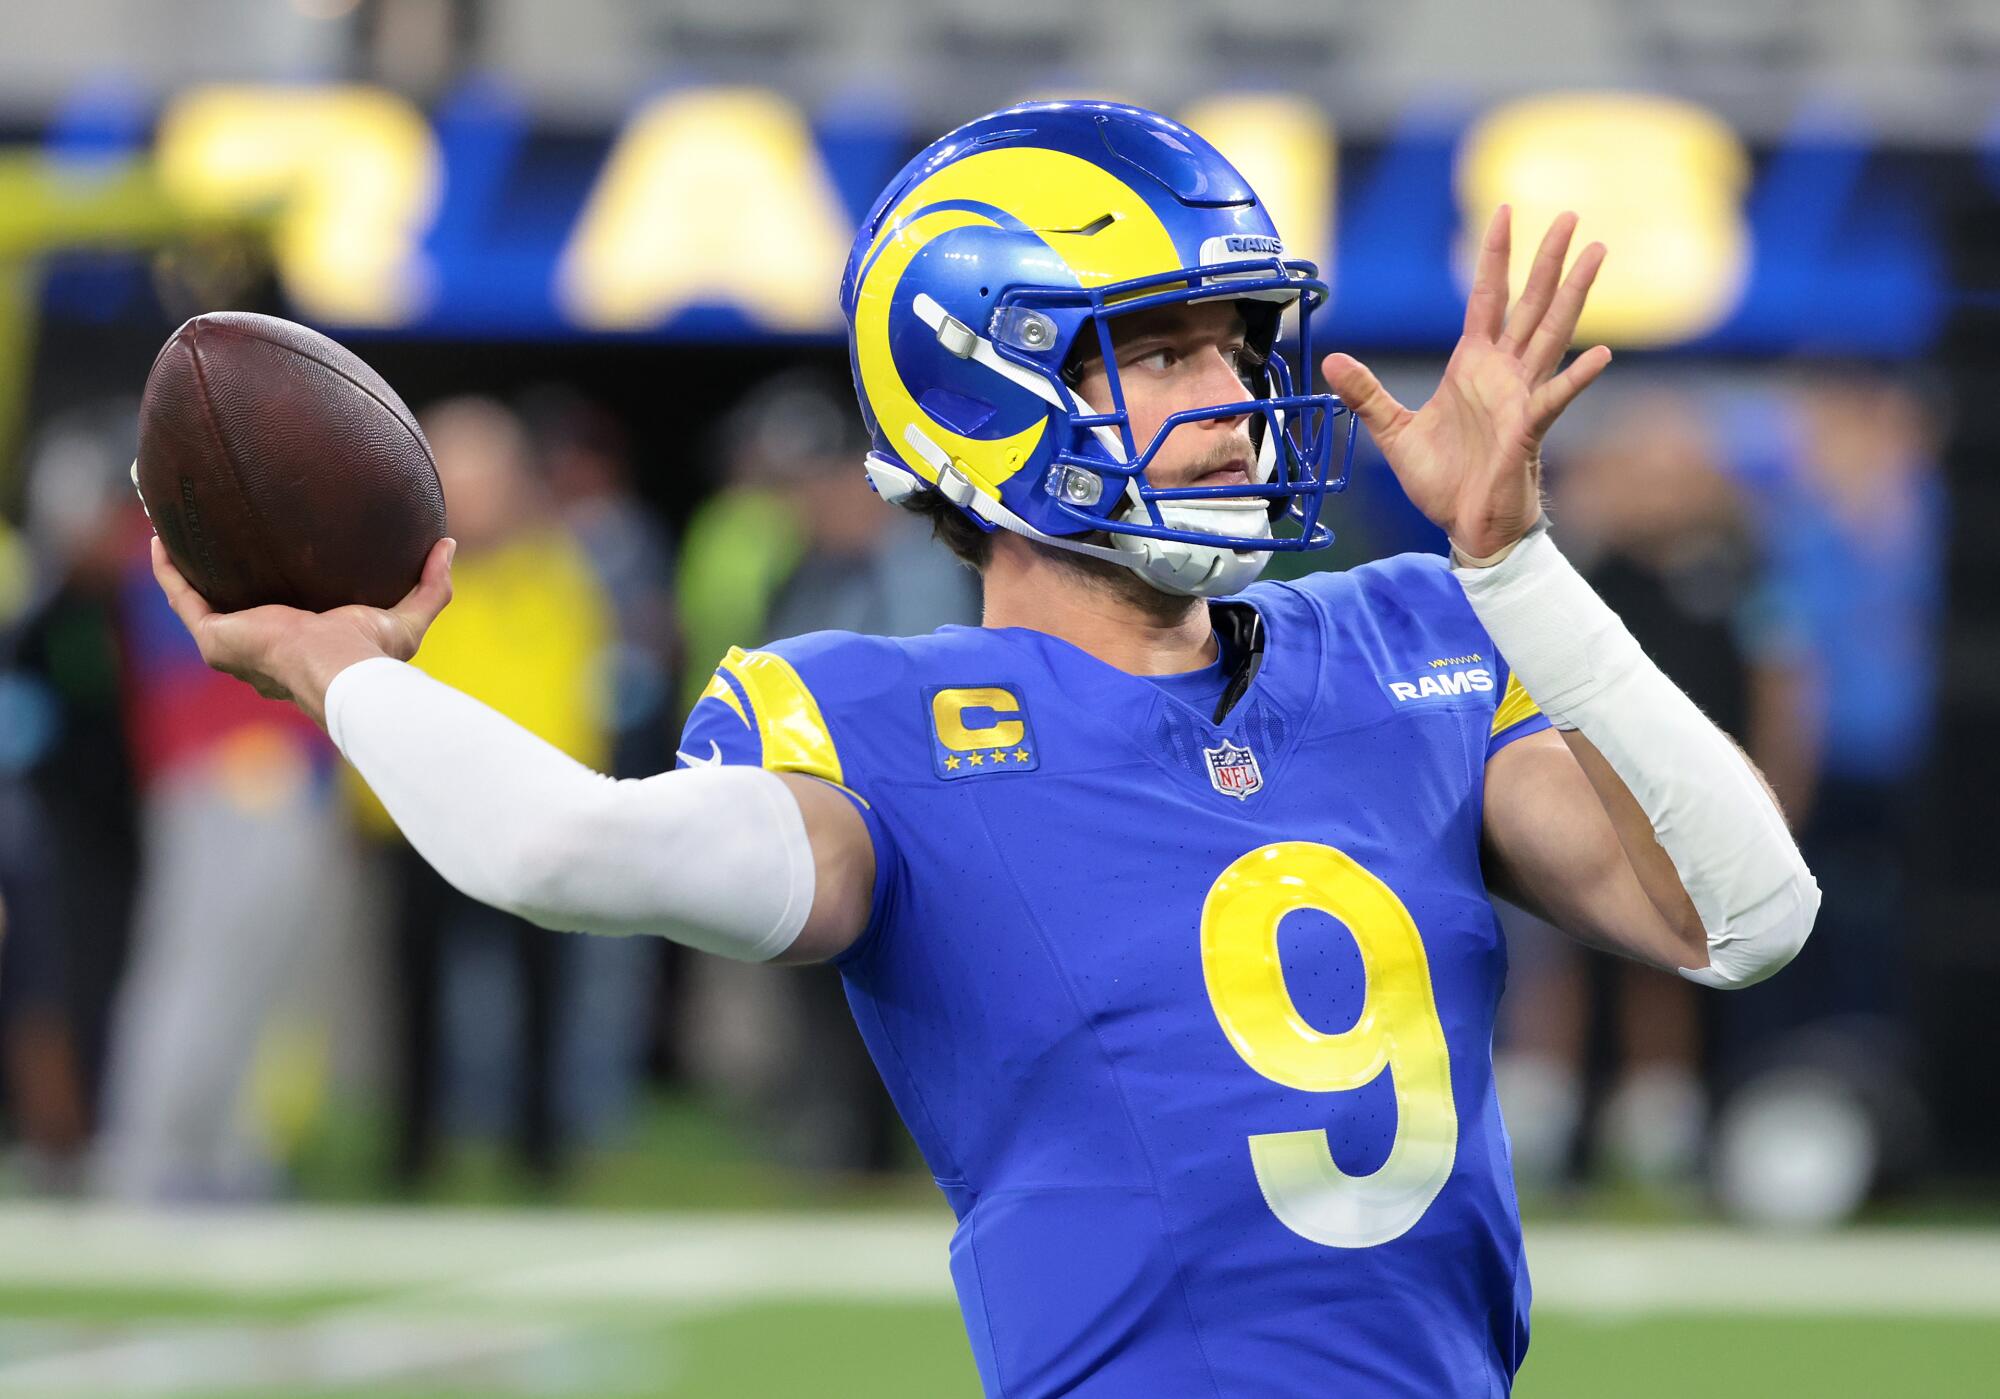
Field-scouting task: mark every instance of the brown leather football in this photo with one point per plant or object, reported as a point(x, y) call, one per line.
point(277, 467)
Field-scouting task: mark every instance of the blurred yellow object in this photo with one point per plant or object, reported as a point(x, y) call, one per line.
point(737, 552)
point(529, 632)
point(16, 573)
point(47, 205)
point(352, 174)
point(1658, 181)
point(288, 1082)
point(773, 242)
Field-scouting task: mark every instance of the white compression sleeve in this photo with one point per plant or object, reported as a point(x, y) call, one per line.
point(1725, 836)
point(716, 858)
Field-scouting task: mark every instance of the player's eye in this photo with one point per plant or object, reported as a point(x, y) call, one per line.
point(1245, 361)
point(1156, 361)
point(1247, 365)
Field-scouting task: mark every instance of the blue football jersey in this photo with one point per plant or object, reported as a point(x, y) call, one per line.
point(1191, 1020)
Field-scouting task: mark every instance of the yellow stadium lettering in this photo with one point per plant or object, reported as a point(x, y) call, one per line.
point(1659, 181)
point(713, 195)
point(951, 709)
point(1398, 1030)
point(354, 176)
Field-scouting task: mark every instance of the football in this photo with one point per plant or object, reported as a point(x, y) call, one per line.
point(278, 468)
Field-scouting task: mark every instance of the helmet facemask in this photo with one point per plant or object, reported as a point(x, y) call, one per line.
point(1205, 540)
point(1012, 240)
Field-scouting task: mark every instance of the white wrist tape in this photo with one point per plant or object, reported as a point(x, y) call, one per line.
point(1723, 833)
point(716, 858)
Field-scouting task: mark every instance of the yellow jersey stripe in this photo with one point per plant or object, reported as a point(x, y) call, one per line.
point(787, 717)
point(718, 688)
point(1514, 707)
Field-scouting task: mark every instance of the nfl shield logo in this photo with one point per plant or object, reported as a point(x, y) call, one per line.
point(1233, 770)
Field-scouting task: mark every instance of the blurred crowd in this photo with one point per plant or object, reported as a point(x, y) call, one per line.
point(1782, 560)
point(211, 929)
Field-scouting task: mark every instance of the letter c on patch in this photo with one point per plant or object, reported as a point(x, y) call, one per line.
point(957, 715)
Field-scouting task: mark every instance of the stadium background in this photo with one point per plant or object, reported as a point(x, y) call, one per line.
point(624, 217)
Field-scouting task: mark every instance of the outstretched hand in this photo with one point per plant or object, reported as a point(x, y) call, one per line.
point(1470, 458)
point(293, 655)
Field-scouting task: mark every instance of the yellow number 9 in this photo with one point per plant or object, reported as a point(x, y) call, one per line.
point(1397, 1029)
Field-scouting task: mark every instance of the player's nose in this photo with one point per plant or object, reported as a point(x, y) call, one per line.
point(1216, 382)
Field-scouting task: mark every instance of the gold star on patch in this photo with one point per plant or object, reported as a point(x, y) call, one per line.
point(976, 759)
point(951, 763)
point(1020, 755)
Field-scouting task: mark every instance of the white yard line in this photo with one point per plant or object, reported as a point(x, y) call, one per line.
point(200, 1358)
point(508, 1300)
point(523, 1260)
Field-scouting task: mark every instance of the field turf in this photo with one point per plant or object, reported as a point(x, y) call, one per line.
point(425, 1304)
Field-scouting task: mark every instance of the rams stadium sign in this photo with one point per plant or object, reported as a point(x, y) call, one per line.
point(726, 213)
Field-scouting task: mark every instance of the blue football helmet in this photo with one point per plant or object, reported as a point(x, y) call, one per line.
point(975, 275)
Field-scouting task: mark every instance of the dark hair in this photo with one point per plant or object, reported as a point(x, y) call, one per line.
point(972, 545)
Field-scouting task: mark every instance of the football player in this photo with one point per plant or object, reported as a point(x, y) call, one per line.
point(1161, 898)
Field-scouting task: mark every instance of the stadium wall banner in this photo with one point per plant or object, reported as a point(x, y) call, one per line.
point(725, 213)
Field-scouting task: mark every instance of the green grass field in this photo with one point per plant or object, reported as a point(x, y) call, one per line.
point(428, 1303)
point(681, 1266)
point(887, 1351)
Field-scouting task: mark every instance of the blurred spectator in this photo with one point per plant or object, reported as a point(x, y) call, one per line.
point(1855, 525)
point(586, 457)
point(63, 733)
point(1660, 531)
point(42, 1087)
point(481, 992)
point(746, 539)
point(613, 986)
point(41, 1082)
point(243, 873)
point(783, 1043)
point(1824, 1101)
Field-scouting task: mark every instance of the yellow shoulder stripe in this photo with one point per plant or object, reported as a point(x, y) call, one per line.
point(1514, 707)
point(718, 688)
point(787, 716)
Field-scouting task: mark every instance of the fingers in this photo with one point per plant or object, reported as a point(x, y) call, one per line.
point(421, 605)
point(188, 604)
point(1364, 395)
point(1553, 397)
point(1542, 280)
point(1486, 308)
point(1551, 339)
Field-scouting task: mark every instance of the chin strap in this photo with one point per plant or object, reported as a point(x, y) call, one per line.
point(1224, 571)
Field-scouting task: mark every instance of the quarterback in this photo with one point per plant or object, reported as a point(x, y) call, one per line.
point(1162, 898)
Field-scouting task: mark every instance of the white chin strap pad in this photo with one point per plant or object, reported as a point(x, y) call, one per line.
point(1191, 570)
point(1199, 570)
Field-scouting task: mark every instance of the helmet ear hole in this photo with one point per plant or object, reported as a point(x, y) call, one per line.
point(1261, 320)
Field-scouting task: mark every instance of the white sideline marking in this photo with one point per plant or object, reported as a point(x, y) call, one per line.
point(165, 1358)
point(507, 1300)
point(474, 1261)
